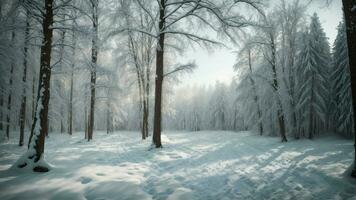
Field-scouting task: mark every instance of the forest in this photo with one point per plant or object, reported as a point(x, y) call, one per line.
point(96, 100)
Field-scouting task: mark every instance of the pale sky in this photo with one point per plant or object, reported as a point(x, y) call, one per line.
point(218, 65)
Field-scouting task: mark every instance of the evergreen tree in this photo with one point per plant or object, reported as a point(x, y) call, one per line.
point(342, 110)
point(313, 67)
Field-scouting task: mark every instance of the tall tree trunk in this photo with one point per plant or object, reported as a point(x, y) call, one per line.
point(40, 125)
point(147, 110)
point(33, 94)
point(8, 116)
point(24, 76)
point(159, 78)
point(94, 57)
point(350, 20)
point(70, 114)
point(59, 81)
point(140, 81)
point(281, 119)
point(85, 121)
point(109, 126)
point(259, 112)
point(147, 96)
point(292, 76)
point(145, 117)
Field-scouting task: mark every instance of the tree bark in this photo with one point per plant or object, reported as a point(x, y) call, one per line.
point(94, 58)
point(40, 122)
point(159, 78)
point(8, 117)
point(259, 112)
point(70, 117)
point(281, 119)
point(33, 95)
point(70, 114)
point(349, 7)
point(59, 81)
point(147, 96)
point(24, 76)
point(109, 124)
point(85, 121)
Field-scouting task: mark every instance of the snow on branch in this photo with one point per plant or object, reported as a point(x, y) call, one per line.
point(188, 67)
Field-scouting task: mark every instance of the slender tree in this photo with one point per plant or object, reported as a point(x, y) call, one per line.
point(94, 58)
point(70, 109)
point(170, 14)
point(253, 84)
point(9, 99)
point(24, 77)
point(39, 129)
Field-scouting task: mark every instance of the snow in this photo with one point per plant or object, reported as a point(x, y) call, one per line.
point(191, 165)
point(25, 160)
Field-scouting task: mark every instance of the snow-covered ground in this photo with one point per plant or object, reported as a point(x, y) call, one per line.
point(192, 165)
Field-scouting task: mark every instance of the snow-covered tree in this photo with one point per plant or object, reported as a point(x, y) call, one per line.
point(313, 66)
point(342, 105)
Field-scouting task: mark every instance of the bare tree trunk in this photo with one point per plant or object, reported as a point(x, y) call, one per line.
point(62, 110)
point(145, 117)
point(159, 78)
point(70, 117)
point(70, 114)
point(349, 7)
point(8, 121)
point(40, 123)
point(94, 58)
point(33, 95)
point(259, 112)
point(109, 125)
point(59, 82)
point(85, 121)
point(147, 96)
point(281, 119)
point(141, 86)
point(292, 88)
point(23, 102)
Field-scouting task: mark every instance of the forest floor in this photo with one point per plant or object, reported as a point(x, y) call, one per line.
point(191, 165)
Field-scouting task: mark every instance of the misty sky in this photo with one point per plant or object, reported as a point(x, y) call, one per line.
point(218, 65)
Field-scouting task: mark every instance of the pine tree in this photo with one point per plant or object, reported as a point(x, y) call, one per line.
point(342, 96)
point(313, 66)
